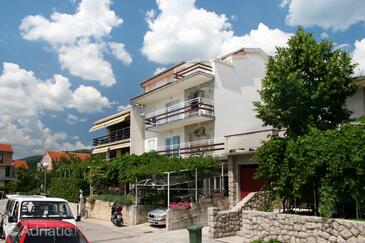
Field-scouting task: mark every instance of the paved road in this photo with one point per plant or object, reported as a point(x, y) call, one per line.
point(103, 231)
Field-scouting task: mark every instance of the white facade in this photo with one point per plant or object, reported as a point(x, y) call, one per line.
point(196, 112)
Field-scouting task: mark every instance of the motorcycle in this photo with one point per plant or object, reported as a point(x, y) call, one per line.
point(116, 214)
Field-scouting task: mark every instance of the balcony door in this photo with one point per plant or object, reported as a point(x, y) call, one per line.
point(172, 110)
point(172, 145)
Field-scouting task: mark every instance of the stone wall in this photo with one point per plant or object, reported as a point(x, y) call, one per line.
point(223, 223)
point(297, 228)
point(258, 200)
point(182, 218)
point(132, 215)
point(255, 225)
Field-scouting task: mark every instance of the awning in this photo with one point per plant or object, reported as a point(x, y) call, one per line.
point(107, 122)
point(106, 148)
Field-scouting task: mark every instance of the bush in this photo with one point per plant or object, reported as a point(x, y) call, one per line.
point(67, 188)
point(122, 199)
point(267, 241)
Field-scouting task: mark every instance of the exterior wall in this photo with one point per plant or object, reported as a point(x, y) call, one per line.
point(137, 131)
point(356, 103)
point(233, 178)
point(295, 228)
point(7, 162)
point(254, 225)
point(47, 159)
point(235, 91)
point(132, 215)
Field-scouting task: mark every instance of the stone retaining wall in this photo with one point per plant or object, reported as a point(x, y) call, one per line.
point(297, 228)
point(182, 218)
point(256, 225)
point(132, 215)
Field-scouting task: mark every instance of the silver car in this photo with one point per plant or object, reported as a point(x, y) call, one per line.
point(157, 216)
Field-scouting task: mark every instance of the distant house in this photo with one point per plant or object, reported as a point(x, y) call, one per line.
point(51, 158)
point(6, 166)
point(20, 164)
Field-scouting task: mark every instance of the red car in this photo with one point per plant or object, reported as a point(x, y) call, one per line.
point(44, 231)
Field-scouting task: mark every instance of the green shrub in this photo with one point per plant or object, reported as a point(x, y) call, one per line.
point(122, 199)
point(67, 188)
point(267, 241)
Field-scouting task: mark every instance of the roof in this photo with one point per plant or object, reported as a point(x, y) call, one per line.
point(161, 73)
point(4, 147)
point(20, 163)
point(111, 120)
point(46, 223)
point(35, 198)
point(57, 155)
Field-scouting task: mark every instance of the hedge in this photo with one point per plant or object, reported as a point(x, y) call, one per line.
point(67, 188)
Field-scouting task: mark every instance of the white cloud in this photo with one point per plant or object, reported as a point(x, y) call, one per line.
point(123, 107)
point(80, 39)
point(88, 99)
point(180, 31)
point(92, 19)
point(72, 119)
point(328, 14)
point(29, 136)
point(158, 70)
point(86, 60)
point(118, 50)
point(358, 56)
point(324, 35)
point(24, 98)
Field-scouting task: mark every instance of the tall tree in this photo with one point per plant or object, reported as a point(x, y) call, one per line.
point(306, 85)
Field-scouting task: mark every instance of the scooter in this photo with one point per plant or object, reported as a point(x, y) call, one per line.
point(116, 215)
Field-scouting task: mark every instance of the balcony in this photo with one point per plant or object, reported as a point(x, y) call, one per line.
point(212, 147)
point(185, 113)
point(113, 137)
point(183, 77)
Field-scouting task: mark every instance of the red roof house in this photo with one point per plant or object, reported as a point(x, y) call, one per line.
point(20, 163)
point(54, 157)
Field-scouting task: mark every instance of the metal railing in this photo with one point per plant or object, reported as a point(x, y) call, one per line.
point(197, 106)
point(196, 148)
point(117, 135)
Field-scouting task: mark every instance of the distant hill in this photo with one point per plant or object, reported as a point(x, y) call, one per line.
point(33, 160)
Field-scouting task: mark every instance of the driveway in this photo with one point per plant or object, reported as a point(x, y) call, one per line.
point(101, 231)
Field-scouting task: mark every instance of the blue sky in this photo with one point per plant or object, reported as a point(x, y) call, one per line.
point(65, 64)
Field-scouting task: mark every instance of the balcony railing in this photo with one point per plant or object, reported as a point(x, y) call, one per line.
point(196, 148)
point(114, 136)
point(194, 107)
point(191, 68)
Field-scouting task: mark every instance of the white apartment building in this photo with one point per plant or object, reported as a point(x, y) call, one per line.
point(206, 108)
point(202, 108)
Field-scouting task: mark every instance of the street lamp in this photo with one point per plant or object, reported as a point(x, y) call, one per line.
point(45, 166)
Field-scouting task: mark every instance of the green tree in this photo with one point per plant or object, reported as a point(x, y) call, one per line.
point(306, 85)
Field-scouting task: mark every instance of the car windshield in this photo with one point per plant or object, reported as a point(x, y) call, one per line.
point(45, 209)
point(54, 235)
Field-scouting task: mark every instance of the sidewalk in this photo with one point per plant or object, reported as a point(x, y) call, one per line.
point(104, 231)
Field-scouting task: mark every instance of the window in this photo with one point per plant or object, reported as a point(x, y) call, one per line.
point(112, 154)
point(173, 110)
point(150, 144)
point(7, 171)
point(1, 158)
point(172, 145)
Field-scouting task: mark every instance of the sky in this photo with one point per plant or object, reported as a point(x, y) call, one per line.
point(67, 63)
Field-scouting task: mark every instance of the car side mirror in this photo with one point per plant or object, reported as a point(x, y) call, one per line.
point(12, 219)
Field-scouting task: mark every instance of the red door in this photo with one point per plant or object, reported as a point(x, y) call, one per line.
point(248, 183)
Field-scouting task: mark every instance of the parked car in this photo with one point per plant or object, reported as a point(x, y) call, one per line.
point(21, 207)
point(158, 216)
point(44, 231)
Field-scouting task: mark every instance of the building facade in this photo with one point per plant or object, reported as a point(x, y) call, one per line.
point(200, 108)
point(50, 159)
point(7, 172)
